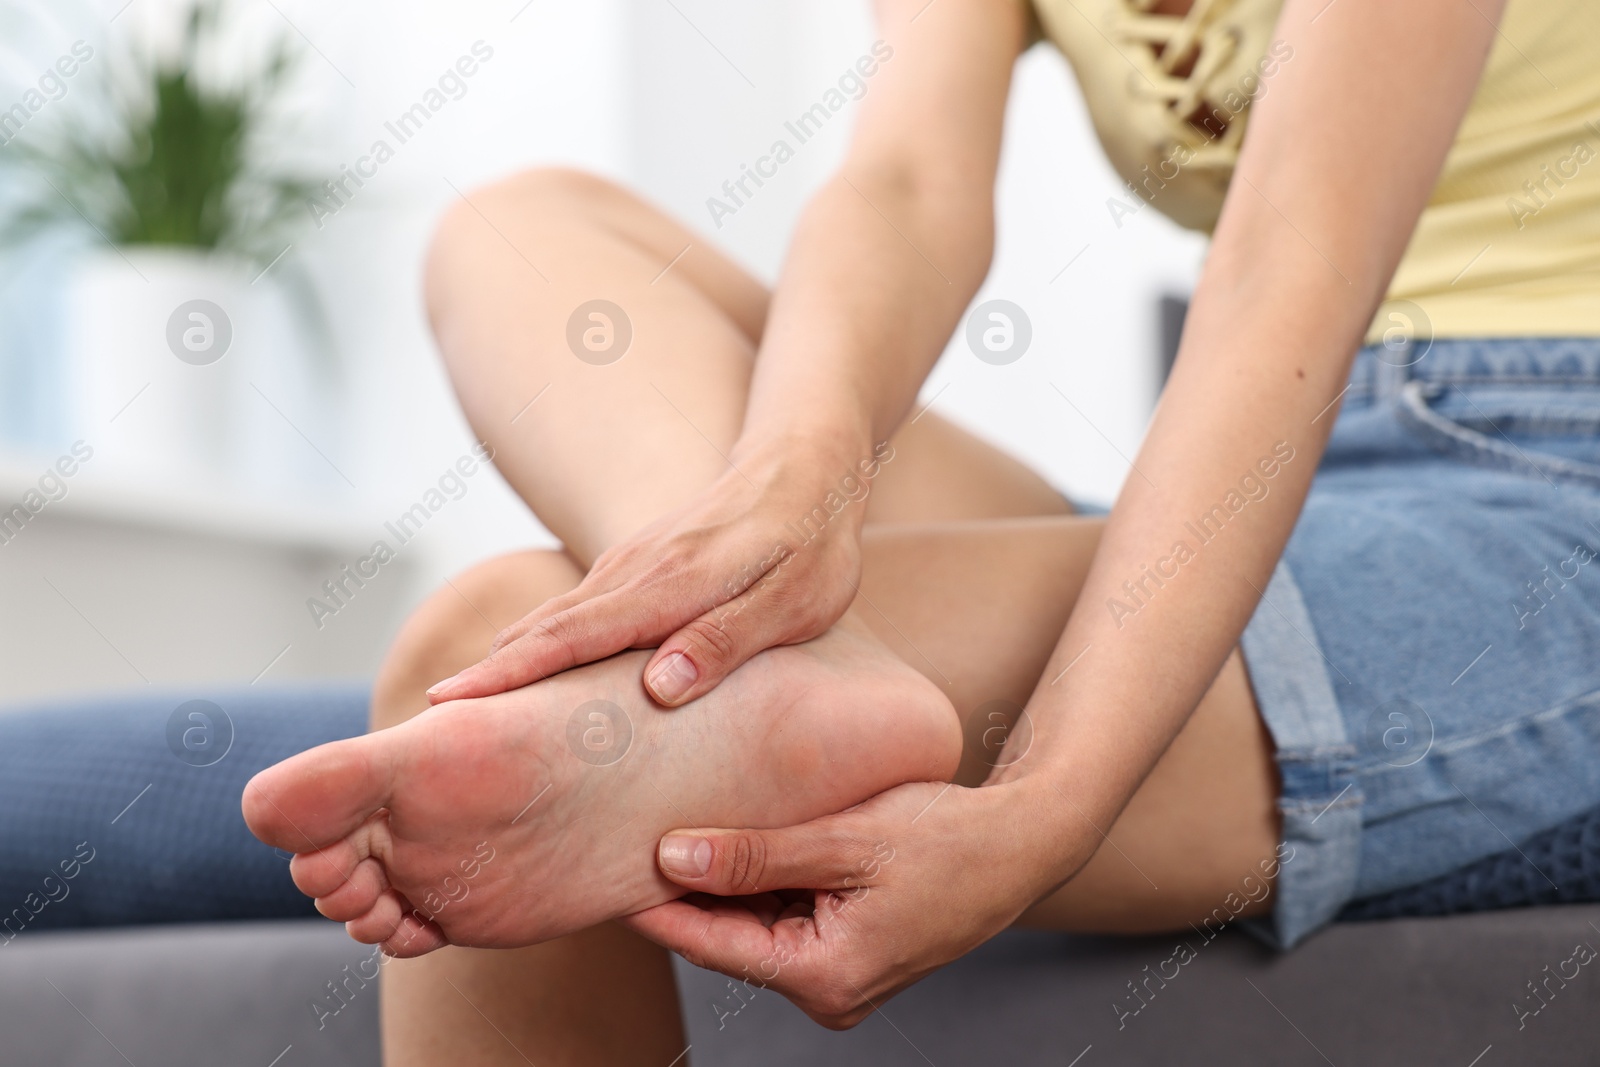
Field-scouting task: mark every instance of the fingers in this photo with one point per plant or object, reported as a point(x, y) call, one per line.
point(550, 608)
point(791, 956)
point(522, 661)
point(824, 854)
point(583, 633)
point(773, 610)
point(644, 596)
point(727, 941)
point(693, 661)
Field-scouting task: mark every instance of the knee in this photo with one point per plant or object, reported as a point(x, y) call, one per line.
point(539, 196)
point(538, 193)
point(538, 188)
point(521, 206)
point(453, 628)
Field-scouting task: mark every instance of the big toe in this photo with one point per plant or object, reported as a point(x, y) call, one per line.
point(313, 799)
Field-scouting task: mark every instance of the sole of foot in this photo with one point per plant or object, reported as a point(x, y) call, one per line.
point(508, 820)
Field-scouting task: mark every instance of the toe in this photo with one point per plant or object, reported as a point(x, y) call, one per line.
point(398, 928)
point(414, 937)
point(321, 873)
point(380, 921)
point(313, 799)
point(356, 895)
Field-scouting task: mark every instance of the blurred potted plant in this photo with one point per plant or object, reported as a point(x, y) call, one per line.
point(183, 300)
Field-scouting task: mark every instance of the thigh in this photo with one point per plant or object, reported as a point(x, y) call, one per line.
point(602, 418)
point(943, 473)
point(635, 437)
point(977, 607)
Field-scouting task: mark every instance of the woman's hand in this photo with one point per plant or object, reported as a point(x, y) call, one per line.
point(769, 554)
point(862, 310)
point(894, 889)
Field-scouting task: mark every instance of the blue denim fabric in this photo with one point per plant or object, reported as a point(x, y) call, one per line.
point(103, 822)
point(1427, 654)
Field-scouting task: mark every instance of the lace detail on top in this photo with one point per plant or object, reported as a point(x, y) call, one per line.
point(1168, 94)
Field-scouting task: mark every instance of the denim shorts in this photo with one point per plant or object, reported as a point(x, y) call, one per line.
point(1427, 654)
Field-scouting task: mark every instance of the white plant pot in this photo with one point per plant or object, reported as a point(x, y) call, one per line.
point(186, 370)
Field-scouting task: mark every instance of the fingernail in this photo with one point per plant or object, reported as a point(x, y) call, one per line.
point(685, 855)
point(673, 677)
point(439, 687)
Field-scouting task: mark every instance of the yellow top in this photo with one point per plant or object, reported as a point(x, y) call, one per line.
point(1509, 243)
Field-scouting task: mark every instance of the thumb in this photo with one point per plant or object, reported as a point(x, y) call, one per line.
point(823, 854)
point(706, 650)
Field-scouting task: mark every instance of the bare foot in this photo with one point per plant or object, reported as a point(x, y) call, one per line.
point(509, 820)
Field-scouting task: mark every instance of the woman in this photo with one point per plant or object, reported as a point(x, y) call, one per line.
point(829, 585)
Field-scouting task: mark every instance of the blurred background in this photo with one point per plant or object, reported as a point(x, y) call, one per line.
point(217, 385)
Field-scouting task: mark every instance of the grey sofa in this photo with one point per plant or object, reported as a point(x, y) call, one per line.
point(1455, 991)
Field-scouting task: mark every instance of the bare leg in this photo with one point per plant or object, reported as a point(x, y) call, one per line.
point(606, 449)
point(978, 603)
point(491, 1007)
point(502, 329)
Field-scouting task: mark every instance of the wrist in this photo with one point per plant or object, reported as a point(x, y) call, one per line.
point(814, 445)
point(1059, 826)
point(836, 469)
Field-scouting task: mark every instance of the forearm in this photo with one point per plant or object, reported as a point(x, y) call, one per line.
point(877, 277)
point(1317, 217)
point(1200, 524)
point(890, 251)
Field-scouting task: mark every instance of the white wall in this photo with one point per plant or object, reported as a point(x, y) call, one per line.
point(671, 97)
point(1095, 332)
